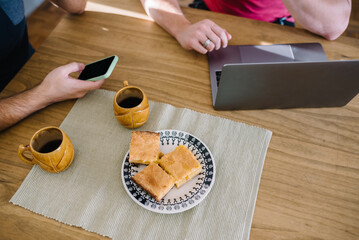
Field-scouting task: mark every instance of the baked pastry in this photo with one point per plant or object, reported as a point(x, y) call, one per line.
point(181, 164)
point(154, 180)
point(145, 147)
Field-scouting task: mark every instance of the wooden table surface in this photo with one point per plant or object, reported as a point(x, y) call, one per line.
point(310, 183)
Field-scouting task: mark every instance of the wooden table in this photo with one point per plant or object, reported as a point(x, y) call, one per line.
point(310, 182)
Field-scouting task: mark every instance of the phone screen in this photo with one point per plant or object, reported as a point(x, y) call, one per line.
point(96, 69)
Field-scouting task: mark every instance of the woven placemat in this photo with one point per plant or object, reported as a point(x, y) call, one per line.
point(90, 193)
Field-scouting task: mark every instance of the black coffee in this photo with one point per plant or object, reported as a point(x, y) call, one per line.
point(50, 146)
point(130, 102)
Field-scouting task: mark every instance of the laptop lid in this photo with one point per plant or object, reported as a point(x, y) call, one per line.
point(287, 85)
point(261, 54)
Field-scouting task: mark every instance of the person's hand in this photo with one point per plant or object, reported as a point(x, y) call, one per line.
point(59, 86)
point(194, 36)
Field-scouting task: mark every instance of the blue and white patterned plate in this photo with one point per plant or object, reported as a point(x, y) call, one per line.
point(176, 200)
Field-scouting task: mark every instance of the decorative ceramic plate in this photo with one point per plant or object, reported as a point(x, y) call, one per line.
point(176, 200)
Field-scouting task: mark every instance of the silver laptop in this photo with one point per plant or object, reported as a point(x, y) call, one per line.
point(280, 76)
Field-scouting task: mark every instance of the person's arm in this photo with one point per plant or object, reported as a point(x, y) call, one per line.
point(71, 6)
point(328, 18)
point(57, 86)
point(168, 14)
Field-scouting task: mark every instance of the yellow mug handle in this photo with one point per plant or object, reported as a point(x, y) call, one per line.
point(20, 151)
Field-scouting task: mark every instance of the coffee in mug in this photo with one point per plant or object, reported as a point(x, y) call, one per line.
point(50, 148)
point(130, 102)
point(130, 106)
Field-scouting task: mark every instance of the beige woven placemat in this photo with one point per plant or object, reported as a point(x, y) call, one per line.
point(90, 194)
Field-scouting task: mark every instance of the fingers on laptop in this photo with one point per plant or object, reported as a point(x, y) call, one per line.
point(199, 47)
point(206, 42)
point(218, 36)
point(221, 34)
point(215, 41)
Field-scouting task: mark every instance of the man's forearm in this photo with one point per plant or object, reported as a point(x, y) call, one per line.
point(71, 6)
point(328, 18)
point(167, 14)
point(17, 107)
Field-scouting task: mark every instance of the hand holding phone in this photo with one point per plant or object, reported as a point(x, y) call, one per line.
point(99, 70)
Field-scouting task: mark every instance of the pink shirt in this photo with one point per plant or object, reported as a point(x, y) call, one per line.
point(263, 10)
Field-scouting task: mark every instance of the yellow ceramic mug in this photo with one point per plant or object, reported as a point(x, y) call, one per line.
point(130, 106)
point(50, 148)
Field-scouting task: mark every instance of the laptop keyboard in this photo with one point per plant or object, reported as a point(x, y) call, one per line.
point(218, 77)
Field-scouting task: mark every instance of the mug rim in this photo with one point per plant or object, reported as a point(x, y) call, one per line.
point(125, 88)
point(36, 134)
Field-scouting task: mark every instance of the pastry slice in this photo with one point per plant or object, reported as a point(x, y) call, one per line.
point(181, 164)
point(145, 147)
point(154, 180)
